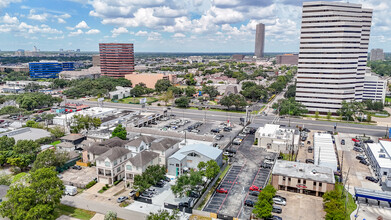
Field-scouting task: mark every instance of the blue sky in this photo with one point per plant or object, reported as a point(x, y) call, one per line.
point(165, 25)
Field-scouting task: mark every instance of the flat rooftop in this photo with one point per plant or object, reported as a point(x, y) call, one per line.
point(303, 171)
point(27, 134)
point(381, 151)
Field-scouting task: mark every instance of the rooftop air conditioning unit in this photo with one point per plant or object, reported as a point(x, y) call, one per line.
point(382, 156)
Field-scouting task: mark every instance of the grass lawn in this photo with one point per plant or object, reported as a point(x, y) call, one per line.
point(73, 212)
point(136, 100)
point(351, 205)
point(55, 143)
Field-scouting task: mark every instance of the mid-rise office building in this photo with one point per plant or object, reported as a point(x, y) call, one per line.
point(259, 40)
point(49, 69)
point(374, 89)
point(116, 59)
point(333, 53)
point(287, 59)
point(377, 54)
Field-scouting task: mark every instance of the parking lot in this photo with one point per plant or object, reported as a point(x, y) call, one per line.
point(358, 171)
point(244, 173)
point(301, 206)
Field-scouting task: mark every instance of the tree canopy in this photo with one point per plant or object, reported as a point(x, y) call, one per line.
point(163, 214)
point(290, 107)
point(84, 122)
point(23, 153)
point(211, 91)
point(162, 85)
point(263, 207)
point(182, 102)
point(149, 177)
point(35, 200)
point(120, 132)
point(50, 158)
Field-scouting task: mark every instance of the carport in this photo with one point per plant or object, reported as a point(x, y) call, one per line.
point(373, 194)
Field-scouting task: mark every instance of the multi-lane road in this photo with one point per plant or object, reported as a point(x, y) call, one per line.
point(258, 120)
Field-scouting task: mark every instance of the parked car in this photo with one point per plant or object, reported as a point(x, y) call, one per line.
point(364, 162)
point(237, 141)
point(280, 197)
point(309, 161)
point(308, 142)
point(279, 201)
point(372, 179)
point(165, 178)
point(306, 130)
point(254, 193)
point(355, 140)
point(147, 194)
point(255, 188)
point(274, 217)
point(70, 190)
point(132, 193)
point(266, 165)
point(122, 199)
point(219, 136)
point(358, 149)
point(227, 129)
point(195, 131)
point(159, 184)
point(76, 167)
point(215, 130)
point(221, 190)
point(249, 203)
point(230, 150)
point(343, 141)
point(369, 141)
point(277, 209)
point(360, 157)
point(194, 194)
point(228, 154)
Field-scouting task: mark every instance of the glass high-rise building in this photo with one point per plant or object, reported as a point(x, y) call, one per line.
point(333, 54)
point(116, 59)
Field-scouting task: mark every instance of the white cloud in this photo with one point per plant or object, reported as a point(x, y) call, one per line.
point(93, 31)
point(38, 17)
point(9, 20)
point(141, 33)
point(61, 21)
point(5, 3)
point(118, 31)
point(179, 35)
point(76, 33)
point(82, 25)
point(154, 36)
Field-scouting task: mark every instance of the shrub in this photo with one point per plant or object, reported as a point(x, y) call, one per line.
point(158, 104)
point(90, 184)
point(116, 182)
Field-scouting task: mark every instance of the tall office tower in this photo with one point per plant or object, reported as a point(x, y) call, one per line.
point(333, 51)
point(259, 40)
point(116, 60)
point(377, 54)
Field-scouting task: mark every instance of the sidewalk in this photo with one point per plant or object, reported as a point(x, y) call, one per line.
point(99, 207)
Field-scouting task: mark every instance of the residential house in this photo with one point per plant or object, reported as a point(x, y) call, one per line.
point(138, 164)
point(189, 156)
point(93, 150)
point(139, 144)
point(65, 146)
point(74, 139)
point(110, 166)
point(165, 147)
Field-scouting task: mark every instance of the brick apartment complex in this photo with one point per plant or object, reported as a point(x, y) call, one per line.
point(116, 60)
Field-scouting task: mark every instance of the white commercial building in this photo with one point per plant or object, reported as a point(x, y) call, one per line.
point(120, 92)
point(96, 112)
point(324, 151)
point(276, 139)
point(374, 89)
point(333, 54)
point(379, 157)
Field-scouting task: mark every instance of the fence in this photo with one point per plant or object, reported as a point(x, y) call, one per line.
point(144, 200)
point(79, 163)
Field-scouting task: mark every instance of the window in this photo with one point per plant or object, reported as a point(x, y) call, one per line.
point(107, 164)
point(160, 159)
point(304, 181)
point(128, 167)
point(177, 165)
point(192, 154)
point(314, 183)
point(320, 184)
point(283, 178)
point(126, 157)
point(299, 181)
point(118, 169)
point(289, 179)
point(115, 163)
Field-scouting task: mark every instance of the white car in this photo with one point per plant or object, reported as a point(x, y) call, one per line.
point(279, 201)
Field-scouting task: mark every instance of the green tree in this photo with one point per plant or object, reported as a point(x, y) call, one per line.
point(162, 85)
point(32, 87)
point(120, 132)
point(212, 169)
point(6, 145)
point(328, 115)
point(190, 91)
point(211, 91)
point(290, 92)
point(111, 215)
point(167, 96)
point(50, 158)
point(57, 131)
point(176, 90)
point(316, 114)
point(263, 206)
point(84, 122)
point(149, 177)
point(163, 214)
point(35, 200)
point(23, 153)
point(182, 102)
point(255, 93)
point(289, 107)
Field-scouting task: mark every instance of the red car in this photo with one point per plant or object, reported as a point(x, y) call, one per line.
point(221, 190)
point(255, 188)
point(355, 140)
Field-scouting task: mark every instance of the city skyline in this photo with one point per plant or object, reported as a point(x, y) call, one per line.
point(164, 26)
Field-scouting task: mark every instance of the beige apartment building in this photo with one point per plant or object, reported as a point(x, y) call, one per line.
point(302, 178)
point(149, 79)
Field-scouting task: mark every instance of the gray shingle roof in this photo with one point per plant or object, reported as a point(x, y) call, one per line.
point(65, 145)
point(137, 141)
point(113, 153)
point(143, 158)
point(163, 144)
point(113, 142)
point(72, 137)
point(96, 149)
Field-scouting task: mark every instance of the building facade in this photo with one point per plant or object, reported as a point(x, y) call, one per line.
point(273, 138)
point(259, 40)
point(110, 166)
point(150, 79)
point(116, 59)
point(302, 178)
point(374, 89)
point(49, 69)
point(377, 54)
point(333, 52)
point(287, 59)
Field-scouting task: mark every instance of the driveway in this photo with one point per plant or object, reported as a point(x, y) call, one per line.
point(301, 206)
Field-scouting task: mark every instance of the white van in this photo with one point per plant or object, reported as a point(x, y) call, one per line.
point(70, 190)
